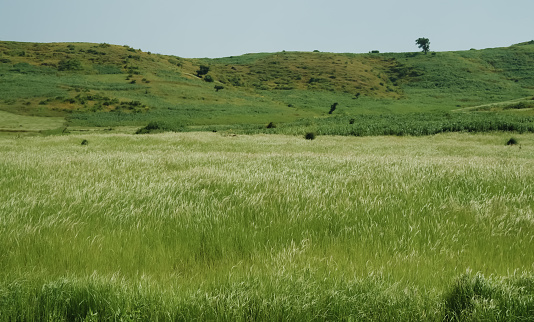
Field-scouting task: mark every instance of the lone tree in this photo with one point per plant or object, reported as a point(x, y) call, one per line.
point(424, 44)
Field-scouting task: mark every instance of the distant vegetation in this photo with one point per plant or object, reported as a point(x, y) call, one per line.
point(108, 85)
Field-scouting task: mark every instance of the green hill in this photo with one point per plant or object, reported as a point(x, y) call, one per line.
point(110, 85)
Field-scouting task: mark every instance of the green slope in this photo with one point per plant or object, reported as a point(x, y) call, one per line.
point(107, 85)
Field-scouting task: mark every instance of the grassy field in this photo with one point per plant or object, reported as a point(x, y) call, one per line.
point(10, 122)
point(409, 205)
point(213, 226)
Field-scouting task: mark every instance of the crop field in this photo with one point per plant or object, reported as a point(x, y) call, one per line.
point(219, 226)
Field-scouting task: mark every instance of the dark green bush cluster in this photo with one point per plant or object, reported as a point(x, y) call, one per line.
point(519, 106)
point(512, 141)
point(133, 106)
point(208, 79)
point(310, 136)
point(202, 70)
point(133, 70)
point(98, 102)
point(69, 64)
point(95, 52)
point(153, 127)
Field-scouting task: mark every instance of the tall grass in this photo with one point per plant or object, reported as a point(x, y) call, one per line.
point(201, 225)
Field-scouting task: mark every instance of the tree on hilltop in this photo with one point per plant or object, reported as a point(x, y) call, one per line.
point(424, 44)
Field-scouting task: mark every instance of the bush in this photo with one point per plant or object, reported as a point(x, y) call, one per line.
point(69, 64)
point(512, 141)
point(271, 125)
point(518, 106)
point(85, 142)
point(203, 70)
point(333, 108)
point(208, 78)
point(151, 128)
point(310, 136)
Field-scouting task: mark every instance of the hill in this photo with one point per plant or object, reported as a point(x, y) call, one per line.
point(109, 85)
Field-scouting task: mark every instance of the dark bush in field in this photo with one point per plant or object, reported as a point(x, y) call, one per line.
point(271, 125)
point(69, 64)
point(208, 78)
point(518, 106)
point(152, 127)
point(85, 142)
point(512, 141)
point(310, 136)
point(333, 108)
point(202, 70)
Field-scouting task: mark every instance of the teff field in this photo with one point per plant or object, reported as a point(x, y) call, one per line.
point(210, 226)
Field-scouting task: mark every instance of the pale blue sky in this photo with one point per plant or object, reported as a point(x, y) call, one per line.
point(210, 28)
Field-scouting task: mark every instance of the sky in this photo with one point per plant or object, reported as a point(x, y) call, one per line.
point(221, 28)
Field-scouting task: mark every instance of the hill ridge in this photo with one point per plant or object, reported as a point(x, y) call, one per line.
point(85, 80)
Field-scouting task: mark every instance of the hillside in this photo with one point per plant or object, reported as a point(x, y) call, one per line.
point(107, 85)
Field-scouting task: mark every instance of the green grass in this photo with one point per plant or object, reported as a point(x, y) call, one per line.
point(210, 226)
point(14, 123)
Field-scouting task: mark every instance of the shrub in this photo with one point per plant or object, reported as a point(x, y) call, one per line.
point(518, 106)
point(69, 64)
point(271, 125)
point(202, 70)
point(152, 127)
point(310, 136)
point(333, 108)
point(85, 142)
point(512, 141)
point(218, 87)
point(208, 78)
